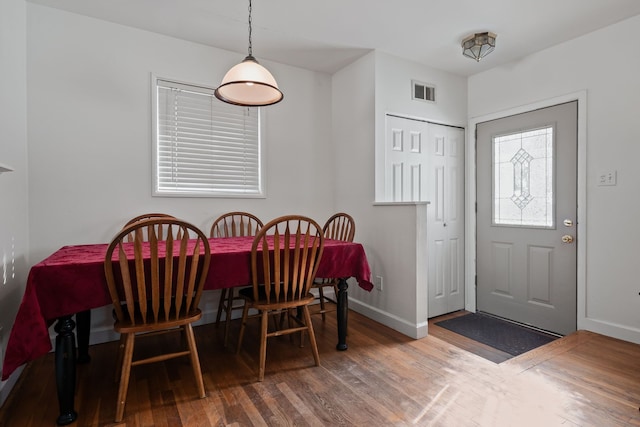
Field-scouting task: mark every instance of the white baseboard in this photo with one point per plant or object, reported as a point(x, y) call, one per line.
point(609, 329)
point(415, 331)
point(7, 386)
point(394, 322)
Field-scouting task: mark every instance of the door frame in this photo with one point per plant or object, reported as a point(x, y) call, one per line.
point(581, 179)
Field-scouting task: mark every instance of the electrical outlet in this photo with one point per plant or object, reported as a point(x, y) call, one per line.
point(378, 283)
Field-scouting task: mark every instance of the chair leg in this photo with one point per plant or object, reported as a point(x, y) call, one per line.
point(124, 376)
point(243, 323)
point(322, 308)
point(120, 358)
point(195, 360)
point(263, 343)
point(229, 309)
point(299, 316)
point(223, 297)
point(312, 335)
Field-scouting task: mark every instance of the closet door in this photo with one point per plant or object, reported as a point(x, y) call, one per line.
point(445, 227)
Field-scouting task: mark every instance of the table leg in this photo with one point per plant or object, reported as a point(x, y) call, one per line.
point(83, 328)
point(65, 370)
point(342, 300)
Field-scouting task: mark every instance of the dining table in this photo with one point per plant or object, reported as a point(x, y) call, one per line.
point(71, 281)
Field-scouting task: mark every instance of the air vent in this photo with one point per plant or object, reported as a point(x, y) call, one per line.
point(423, 91)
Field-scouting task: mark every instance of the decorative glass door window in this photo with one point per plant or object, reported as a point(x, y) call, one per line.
point(523, 178)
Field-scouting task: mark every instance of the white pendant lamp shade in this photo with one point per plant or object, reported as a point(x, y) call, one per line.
point(249, 84)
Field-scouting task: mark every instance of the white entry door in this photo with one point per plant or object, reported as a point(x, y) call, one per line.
point(425, 162)
point(526, 179)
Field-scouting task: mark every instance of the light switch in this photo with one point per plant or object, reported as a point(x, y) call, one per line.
point(607, 178)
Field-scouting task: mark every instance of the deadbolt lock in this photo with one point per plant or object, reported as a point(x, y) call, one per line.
point(568, 223)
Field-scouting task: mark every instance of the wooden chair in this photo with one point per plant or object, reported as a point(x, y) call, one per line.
point(282, 279)
point(232, 224)
point(144, 217)
point(83, 319)
point(340, 226)
point(156, 287)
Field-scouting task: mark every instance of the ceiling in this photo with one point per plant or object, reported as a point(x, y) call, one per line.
point(326, 35)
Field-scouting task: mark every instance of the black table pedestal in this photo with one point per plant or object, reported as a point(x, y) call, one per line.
point(343, 308)
point(83, 329)
point(65, 358)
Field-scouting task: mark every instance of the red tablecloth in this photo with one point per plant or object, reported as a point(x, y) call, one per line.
point(72, 280)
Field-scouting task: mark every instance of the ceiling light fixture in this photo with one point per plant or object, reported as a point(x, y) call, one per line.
point(249, 84)
point(478, 45)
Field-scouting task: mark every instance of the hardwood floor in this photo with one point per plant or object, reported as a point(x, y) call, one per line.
point(384, 378)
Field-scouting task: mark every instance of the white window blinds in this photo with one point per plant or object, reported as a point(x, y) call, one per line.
point(203, 146)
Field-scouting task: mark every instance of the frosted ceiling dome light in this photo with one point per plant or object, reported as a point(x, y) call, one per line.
point(479, 45)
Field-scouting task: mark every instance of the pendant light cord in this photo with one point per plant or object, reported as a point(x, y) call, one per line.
point(250, 47)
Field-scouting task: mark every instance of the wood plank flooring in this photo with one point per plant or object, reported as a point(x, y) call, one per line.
point(383, 379)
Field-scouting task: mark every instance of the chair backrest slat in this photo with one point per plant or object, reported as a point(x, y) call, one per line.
point(168, 274)
point(141, 278)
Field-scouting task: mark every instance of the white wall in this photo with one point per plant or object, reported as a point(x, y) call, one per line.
point(13, 153)
point(606, 65)
point(393, 234)
point(90, 134)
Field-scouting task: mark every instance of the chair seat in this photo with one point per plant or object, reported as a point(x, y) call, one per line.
point(139, 325)
point(263, 304)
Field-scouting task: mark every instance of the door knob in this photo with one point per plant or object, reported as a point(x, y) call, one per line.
point(567, 239)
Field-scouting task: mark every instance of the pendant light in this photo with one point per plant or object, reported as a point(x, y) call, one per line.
point(249, 84)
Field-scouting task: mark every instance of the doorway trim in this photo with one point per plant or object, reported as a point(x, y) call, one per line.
point(470, 197)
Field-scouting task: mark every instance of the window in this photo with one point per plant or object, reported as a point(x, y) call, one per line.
point(523, 178)
point(423, 91)
point(202, 146)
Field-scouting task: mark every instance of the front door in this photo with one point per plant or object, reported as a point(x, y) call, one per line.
point(526, 217)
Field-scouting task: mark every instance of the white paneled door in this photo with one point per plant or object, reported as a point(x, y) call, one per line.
point(526, 168)
point(406, 159)
point(445, 219)
point(425, 162)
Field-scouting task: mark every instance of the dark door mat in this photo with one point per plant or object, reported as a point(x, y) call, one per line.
point(505, 336)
